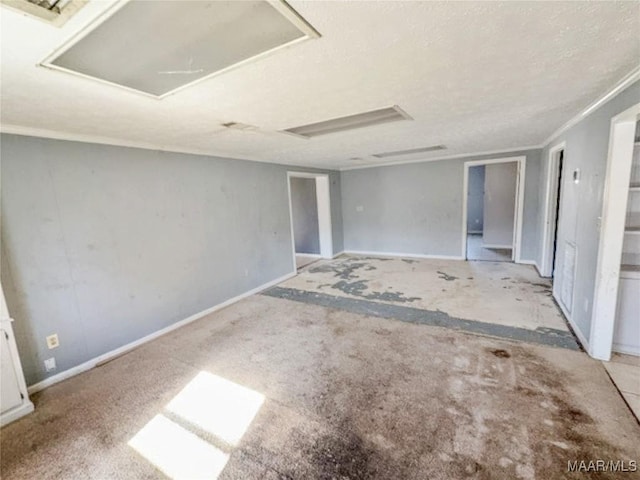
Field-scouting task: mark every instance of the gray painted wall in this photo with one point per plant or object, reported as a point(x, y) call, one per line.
point(499, 204)
point(587, 145)
point(304, 209)
point(417, 208)
point(475, 200)
point(104, 245)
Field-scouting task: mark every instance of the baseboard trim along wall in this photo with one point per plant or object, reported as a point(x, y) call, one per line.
point(534, 263)
point(491, 245)
point(16, 413)
point(402, 255)
point(574, 327)
point(88, 365)
point(626, 349)
point(336, 255)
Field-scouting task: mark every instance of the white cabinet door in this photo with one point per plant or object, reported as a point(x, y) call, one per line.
point(10, 396)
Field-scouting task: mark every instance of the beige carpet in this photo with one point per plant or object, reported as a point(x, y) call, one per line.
point(269, 388)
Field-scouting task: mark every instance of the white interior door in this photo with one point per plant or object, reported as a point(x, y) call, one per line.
point(10, 396)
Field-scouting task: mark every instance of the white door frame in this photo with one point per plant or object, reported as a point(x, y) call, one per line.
point(26, 406)
point(612, 224)
point(550, 208)
point(521, 162)
point(323, 200)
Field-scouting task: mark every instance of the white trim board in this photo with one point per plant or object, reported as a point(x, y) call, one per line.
point(627, 350)
point(521, 161)
point(503, 247)
point(90, 138)
point(323, 202)
point(612, 225)
point(446, 157)
point(574, 327)
point(89, 364)
point(627, 80)
point(100, 140)
point(16, 413)
point(401, 255)
point(533, 263)
point(550, 203)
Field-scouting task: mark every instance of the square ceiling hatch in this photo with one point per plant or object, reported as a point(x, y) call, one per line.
point(159, 47)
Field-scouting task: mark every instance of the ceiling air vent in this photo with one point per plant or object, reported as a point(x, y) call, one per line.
point(351, 122)
point(410, 151)
point(159, 47)
point(238, 126)
point(54, 12)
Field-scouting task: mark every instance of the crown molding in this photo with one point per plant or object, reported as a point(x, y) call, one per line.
point(627, 80)
point(78, 137)
point(447, 157)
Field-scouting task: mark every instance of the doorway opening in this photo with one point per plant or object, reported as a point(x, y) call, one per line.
point(310, 214)
point(492, 211)
point(614, 321)
point(552, 210)
point(557, 211)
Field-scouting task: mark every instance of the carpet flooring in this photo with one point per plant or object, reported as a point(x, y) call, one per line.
point(271, 388)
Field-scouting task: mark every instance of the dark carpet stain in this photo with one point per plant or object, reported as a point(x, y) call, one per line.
point(501, 353)
point(339, 456)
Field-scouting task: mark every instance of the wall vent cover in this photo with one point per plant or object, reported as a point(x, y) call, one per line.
point(350, 122)
point(159, 47)
point(397, 153)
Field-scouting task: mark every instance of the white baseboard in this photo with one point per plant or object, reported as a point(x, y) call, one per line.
point(336, 255)
point(535, 264)
point(474, 232)
point(531, 262)
point(309, 255)
point(88, 365)
point(403, 255)
point(16, 413)
point(491, 245)
point(574, 327)
point(626, 349)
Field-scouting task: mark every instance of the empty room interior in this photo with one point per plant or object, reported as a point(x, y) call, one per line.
point(268, 239)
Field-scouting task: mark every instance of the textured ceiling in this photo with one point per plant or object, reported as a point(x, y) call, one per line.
point(474, 76)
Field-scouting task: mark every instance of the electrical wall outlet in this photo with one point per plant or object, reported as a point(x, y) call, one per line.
point(52, 341)
point(50, 364)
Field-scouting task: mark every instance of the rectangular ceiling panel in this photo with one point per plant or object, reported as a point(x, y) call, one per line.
point(159, 46)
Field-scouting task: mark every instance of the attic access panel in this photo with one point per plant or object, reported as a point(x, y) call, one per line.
point(161, 46)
